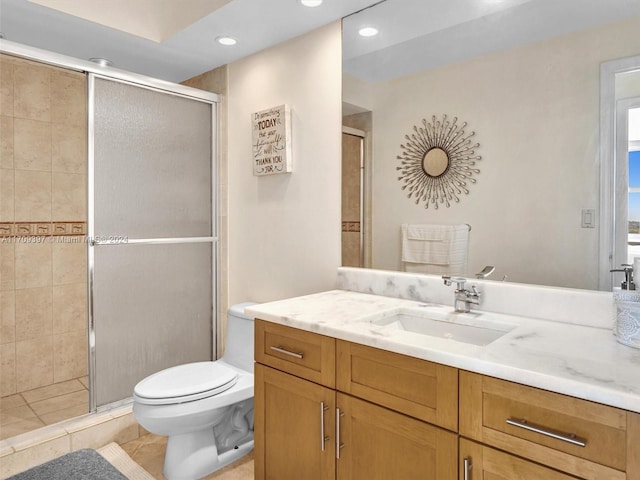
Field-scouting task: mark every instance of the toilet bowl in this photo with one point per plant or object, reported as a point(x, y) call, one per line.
point(205, 408)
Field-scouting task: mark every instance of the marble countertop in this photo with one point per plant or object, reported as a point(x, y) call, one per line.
point(581, 361)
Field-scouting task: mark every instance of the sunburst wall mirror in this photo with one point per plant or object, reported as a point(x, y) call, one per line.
point(438, 162)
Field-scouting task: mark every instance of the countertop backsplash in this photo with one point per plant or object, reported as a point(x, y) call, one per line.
point(581, 307)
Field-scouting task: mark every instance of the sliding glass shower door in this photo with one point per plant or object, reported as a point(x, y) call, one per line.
point(152, 233)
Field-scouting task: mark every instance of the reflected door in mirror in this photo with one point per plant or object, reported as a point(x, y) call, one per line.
point(352, 165)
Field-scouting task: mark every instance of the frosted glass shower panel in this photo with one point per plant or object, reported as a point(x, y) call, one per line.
point(153, 170)
point(152, 310)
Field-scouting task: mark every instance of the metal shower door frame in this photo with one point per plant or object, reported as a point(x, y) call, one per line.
point(164, 88)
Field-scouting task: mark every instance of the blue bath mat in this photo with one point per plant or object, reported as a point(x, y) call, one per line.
point(83, 464)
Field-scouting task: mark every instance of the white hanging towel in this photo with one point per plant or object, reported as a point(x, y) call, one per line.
point(435, 249)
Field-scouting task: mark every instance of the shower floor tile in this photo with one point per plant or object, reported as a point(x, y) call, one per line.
point(27, 411)
point(148, 452)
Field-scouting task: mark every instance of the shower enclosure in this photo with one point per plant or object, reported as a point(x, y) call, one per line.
point(147, 236)
point(152, 232)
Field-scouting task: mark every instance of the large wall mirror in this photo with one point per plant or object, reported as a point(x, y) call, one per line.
point(524, 75)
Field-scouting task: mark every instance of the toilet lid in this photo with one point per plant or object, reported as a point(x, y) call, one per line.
point(187, 380)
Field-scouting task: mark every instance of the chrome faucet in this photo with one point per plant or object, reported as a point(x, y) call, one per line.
point(463, 298)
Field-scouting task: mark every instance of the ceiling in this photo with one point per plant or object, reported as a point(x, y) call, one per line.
point(437, 32)
point(168, 39)
point(175, 39)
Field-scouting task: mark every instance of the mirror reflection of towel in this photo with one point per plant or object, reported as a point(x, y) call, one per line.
point(437, 249)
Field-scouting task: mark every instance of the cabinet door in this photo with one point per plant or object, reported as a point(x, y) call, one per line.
point(293, 432)
point(379, 444)
point(478, 462)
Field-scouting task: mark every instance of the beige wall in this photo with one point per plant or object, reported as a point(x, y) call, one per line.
point(284, 230)
point(216, 81)
point(43, 289)
point(535, 113)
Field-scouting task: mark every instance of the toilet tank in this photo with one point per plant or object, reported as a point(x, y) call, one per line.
point(238, 345)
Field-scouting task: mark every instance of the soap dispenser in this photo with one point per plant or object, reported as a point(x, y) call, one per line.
point(627, 283)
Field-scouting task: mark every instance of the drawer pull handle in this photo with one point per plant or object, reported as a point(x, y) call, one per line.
point(287, 352)
point(467, 469)
point(339, 444)
point(565, 437)
point(323, 437)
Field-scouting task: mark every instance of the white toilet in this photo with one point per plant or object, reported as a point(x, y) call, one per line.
point(205, 408)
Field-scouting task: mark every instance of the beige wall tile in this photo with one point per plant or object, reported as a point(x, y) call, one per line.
point(33, 265)
point(68, 98)
point(69, 263)
point(7, 317)
point(70, 356)
point(8, 384)
point(30, 457)
point(34, 363)
point(69, 197)
point(6, 87)
point(7, 266)
point(31, 92)
point(32, 145)
point(7, 205)
point(33, 313)
point(69, 148)
point(6, 141)
point(32, 196)
point(70, 308)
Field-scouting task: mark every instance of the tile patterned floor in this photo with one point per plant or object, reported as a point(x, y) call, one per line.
point(148, 452)
point(26, 411)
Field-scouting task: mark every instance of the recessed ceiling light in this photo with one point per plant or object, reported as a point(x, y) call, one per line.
point(368, 31)
point(226, 40)
point(103, 62)
point(311, 3)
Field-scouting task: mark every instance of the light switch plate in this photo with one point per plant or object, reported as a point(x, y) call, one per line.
point(588, 218)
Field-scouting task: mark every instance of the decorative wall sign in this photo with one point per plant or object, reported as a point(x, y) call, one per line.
point(272, 141)
point(437, 162)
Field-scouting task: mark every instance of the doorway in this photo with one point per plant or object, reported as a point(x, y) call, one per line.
point(628, 149)
point(352, 197)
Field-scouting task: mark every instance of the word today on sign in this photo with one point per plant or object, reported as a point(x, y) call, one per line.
point(271, 141)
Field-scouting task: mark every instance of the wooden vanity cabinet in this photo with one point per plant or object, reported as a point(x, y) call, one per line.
point(327, 409)
point(305, 429)
point(583, 439)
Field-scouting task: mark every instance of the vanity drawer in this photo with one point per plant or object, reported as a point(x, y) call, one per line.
point(549, 428)
point(304, 354)
point(424, 390)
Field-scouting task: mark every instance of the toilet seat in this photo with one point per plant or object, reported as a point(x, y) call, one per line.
point(185, 383)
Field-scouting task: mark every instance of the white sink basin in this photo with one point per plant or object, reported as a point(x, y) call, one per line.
point(436, 321)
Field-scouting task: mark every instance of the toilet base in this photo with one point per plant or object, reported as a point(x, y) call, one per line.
point(194, 455)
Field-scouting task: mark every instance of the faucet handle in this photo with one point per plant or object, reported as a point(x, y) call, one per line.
point(486, 271)
point(459, 281)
